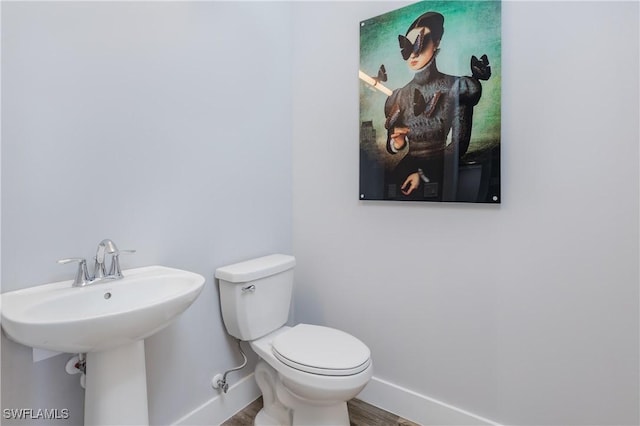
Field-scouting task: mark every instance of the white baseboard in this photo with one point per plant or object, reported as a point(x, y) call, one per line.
point(418, 408)
point(223, 406)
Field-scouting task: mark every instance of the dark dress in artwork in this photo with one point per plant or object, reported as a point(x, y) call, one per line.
point(437, 109)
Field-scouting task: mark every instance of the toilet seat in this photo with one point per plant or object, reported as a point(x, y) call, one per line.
point(321, 350)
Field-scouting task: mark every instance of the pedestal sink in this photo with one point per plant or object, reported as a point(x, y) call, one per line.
point(108, 321)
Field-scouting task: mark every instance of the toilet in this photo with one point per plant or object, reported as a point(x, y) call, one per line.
point(306, 373)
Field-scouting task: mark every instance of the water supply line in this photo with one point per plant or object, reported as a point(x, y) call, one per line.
point(78, 364)
point(220, 381)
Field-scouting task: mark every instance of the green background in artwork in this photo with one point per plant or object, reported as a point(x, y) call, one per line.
point(470, 28)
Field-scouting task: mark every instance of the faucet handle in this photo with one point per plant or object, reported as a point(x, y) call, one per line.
point(82, 275)
point(71, 260)
point(114, 270)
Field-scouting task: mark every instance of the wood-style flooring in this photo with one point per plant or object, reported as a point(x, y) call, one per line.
point(360, 414)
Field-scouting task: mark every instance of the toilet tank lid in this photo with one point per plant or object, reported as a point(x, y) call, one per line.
point(254, 269)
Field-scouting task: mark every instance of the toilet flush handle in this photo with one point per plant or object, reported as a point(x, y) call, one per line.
point(249, 289)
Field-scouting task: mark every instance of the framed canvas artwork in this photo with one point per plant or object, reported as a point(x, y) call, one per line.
point(430, 93)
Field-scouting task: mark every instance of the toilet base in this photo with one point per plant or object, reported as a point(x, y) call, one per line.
point(283, 408)
point(326, 415)
point(264, 419)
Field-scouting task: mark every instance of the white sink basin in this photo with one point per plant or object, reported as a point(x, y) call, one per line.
point(99, 316)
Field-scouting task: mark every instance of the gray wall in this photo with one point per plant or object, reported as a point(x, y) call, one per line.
point(164, 126)
point(524, 313)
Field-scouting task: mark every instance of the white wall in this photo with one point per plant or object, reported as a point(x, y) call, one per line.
point(163, 126)
point(523, 313)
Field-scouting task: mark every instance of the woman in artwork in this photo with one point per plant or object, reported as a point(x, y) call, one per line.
point(422, 115)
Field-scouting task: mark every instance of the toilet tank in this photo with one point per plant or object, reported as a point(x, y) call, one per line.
point(255, 295)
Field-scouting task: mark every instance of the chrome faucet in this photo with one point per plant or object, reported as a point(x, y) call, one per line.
point(105, 247)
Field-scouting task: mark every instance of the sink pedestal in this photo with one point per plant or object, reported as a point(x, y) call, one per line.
point(116, 387)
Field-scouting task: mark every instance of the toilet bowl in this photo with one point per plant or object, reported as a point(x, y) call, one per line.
point(306, 373)
point(313, 385)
